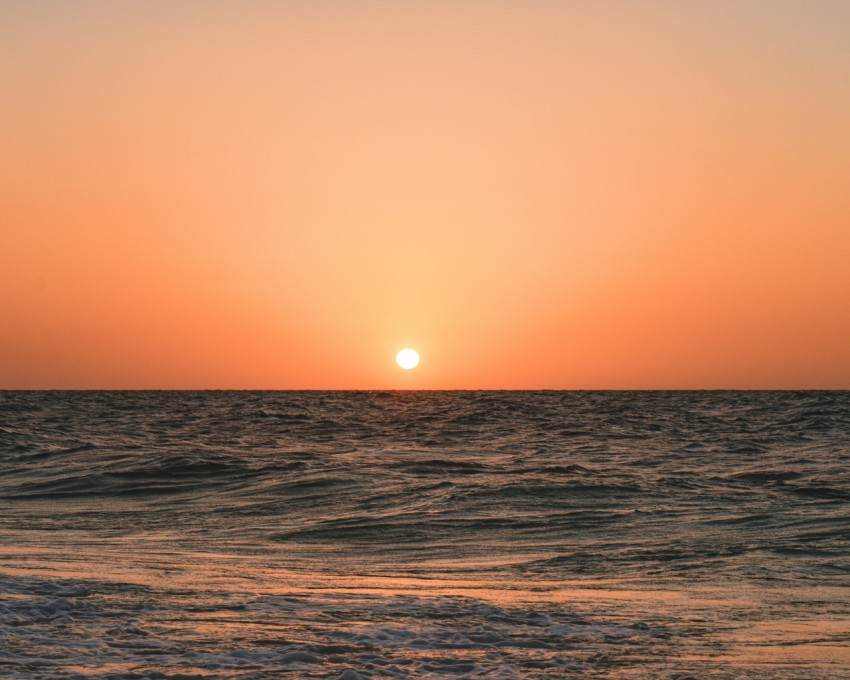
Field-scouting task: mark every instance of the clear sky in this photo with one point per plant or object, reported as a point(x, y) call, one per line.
point(588, 194)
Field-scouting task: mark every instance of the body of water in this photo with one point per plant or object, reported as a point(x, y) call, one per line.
point(356, 535)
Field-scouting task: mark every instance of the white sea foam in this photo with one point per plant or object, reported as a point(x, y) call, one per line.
point(64, 629)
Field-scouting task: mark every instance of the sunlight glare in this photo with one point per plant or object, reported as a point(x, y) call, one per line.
point(407, 359)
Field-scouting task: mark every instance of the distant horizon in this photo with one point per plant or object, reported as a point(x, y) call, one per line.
point(414, 389)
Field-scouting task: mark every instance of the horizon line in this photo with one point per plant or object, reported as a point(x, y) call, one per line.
point(410, 389)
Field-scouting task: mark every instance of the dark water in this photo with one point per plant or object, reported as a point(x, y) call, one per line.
point(425, 534)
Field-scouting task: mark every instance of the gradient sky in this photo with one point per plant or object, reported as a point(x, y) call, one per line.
point(588, 194)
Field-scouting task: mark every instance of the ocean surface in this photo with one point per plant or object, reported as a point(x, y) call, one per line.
point(672, 535)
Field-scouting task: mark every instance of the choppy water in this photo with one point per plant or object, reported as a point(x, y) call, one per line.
point(424, 535)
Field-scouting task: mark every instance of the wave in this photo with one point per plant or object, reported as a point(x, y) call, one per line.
point(516, 471)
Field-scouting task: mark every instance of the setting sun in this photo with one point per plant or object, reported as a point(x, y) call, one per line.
point(407, 359)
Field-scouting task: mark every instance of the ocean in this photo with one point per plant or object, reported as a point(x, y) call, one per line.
point(347, 535)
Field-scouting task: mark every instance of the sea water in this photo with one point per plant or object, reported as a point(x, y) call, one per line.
point(424, 535)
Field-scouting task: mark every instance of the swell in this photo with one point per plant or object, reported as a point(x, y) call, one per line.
point(740, 483)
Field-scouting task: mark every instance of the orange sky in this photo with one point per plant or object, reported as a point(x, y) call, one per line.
point(531, 194)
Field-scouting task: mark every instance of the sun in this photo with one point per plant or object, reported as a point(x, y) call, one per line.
point(407, 358)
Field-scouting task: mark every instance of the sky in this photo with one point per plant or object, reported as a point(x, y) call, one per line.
point(602, 194)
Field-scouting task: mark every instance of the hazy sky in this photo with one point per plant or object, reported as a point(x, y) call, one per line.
point(588, 194)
